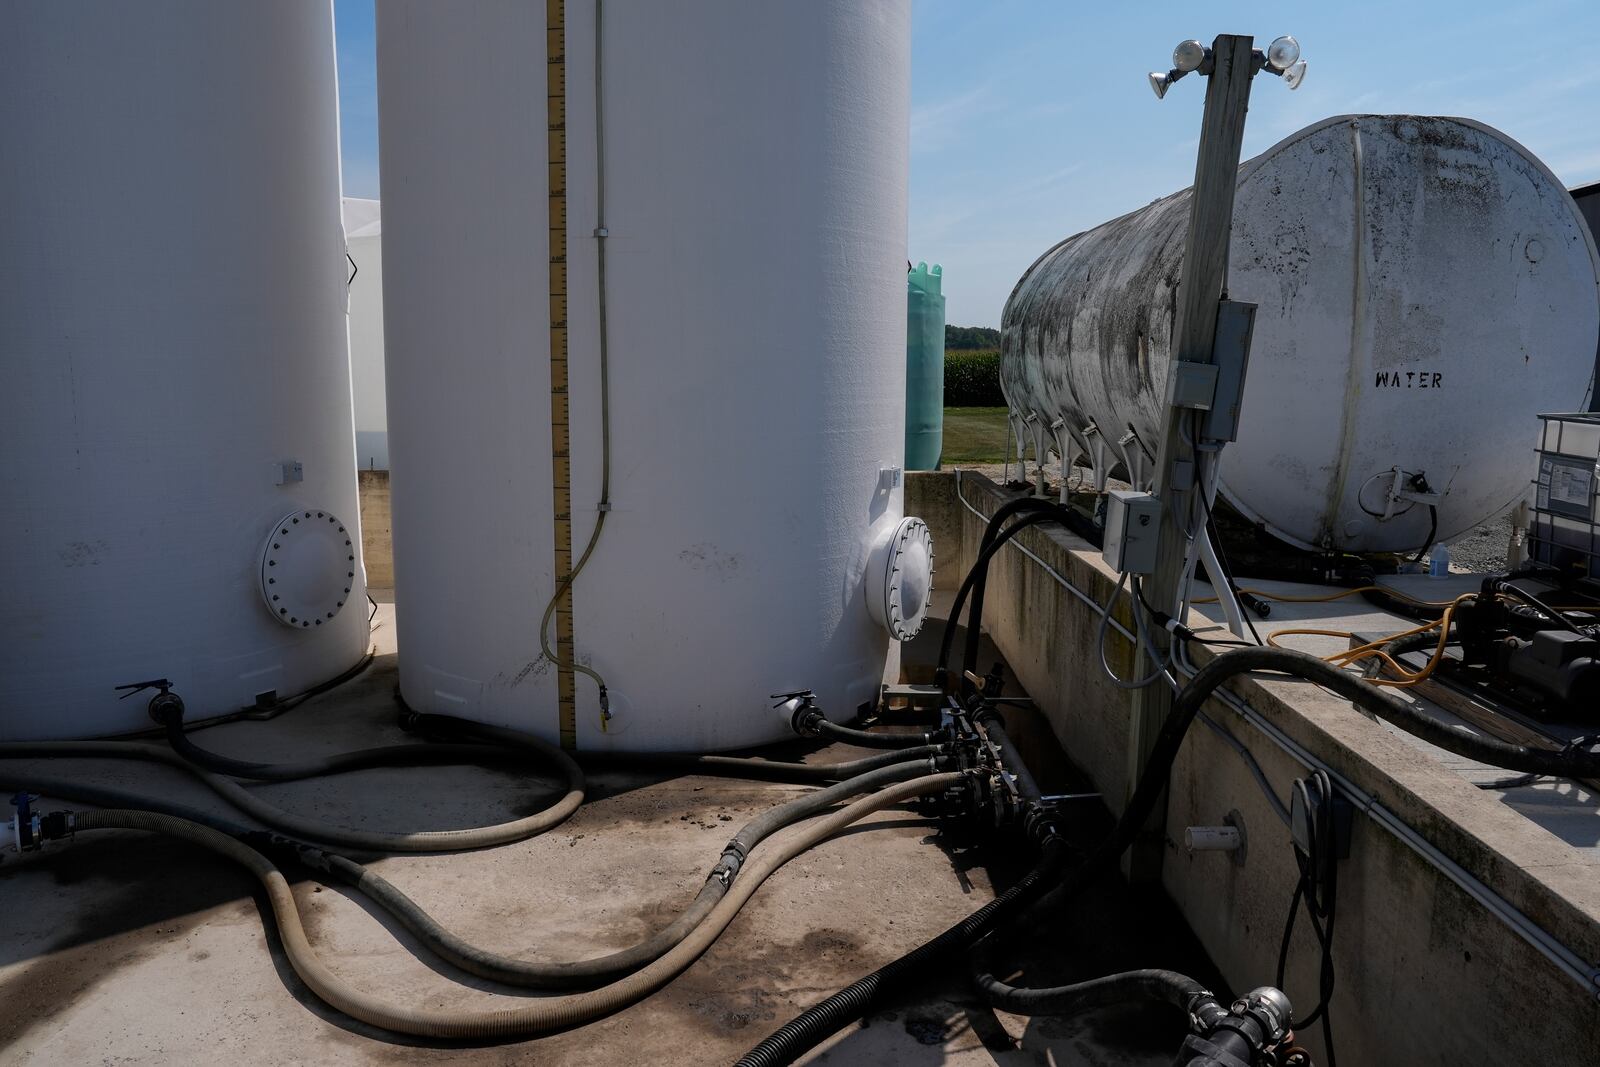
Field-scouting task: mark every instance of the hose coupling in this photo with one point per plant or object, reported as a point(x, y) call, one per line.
point(964, 801)
point(276, 844)
point(1039, 823)
point(799, 709)
point(727, 868)
point(1250, 1033)
point(30, 830)
point(1269, 1007)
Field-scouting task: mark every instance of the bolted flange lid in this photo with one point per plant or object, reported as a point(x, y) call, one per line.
point(308, 567)
point(900, 579)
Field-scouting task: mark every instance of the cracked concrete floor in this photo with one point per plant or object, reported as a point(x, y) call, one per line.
point(123, 948)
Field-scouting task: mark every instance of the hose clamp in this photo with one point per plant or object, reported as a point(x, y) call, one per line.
point(727, 868)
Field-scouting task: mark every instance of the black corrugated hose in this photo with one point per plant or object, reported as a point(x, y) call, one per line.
point(976, 582)
point(863, 739)
point(978, 570)
point(805, 1031)
point(1166, 987)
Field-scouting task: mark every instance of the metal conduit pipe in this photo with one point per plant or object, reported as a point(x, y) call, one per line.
point(552, 1013)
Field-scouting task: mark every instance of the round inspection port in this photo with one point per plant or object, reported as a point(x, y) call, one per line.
point(305, 569)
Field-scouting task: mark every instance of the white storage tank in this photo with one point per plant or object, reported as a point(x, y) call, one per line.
point(174, 391)
point(1426, 288)
point(363, 230)
point(755, 168)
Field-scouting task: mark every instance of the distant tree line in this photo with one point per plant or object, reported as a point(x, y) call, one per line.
point(971, 338)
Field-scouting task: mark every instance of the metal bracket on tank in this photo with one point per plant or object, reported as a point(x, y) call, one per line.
point(1412, 487)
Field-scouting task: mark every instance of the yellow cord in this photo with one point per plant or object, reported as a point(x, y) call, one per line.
point(1374, 649)
point(1285, 598)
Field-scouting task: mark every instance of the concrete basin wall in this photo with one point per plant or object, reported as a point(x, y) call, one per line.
point(1444, 887)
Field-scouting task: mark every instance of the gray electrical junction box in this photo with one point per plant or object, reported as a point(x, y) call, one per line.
point(1133, 521)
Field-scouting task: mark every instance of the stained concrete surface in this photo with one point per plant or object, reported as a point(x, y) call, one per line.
point(123, 948)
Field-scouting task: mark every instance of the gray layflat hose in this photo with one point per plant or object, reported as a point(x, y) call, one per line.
point(690, 762)
point(523, 1020)
point(537, 974)
point(456, 950)
point(312, 830)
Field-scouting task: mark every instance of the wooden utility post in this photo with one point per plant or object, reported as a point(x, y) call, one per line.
point(1200, 289)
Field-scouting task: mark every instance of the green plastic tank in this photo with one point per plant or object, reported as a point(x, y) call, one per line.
point(924, 367)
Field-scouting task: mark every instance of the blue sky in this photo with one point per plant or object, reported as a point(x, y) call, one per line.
point(1032, 120)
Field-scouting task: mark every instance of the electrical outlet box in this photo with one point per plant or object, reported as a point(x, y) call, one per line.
point(1133, 521)
point(1230, 354)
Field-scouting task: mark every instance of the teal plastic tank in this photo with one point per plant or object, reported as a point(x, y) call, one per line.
point(924, 368)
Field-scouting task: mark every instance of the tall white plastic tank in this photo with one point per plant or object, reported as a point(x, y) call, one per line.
point(363, 228)
point(174, 385)
point(1426, 288)
point(755, 200)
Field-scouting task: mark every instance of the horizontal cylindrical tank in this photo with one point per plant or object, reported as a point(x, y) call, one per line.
point(1426, 287)
point(755, 167)
point(178, 470)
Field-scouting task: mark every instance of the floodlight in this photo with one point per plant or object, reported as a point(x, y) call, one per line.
point(1282, 53)
point(1188, 56)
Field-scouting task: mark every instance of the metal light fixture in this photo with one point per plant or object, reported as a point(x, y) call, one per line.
point(1281, 57)
point(1189, 55)
point(1282, 53)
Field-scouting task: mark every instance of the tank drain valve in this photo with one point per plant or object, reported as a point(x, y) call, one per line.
point(799, 709)
point(163, 706)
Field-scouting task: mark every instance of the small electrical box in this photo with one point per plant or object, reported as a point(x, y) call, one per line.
point(1133, 520)
point(1192, 385)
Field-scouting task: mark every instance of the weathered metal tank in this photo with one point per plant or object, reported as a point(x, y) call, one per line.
point(1426, 288)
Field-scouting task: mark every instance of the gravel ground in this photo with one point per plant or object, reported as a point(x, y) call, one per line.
point(1484, 549)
